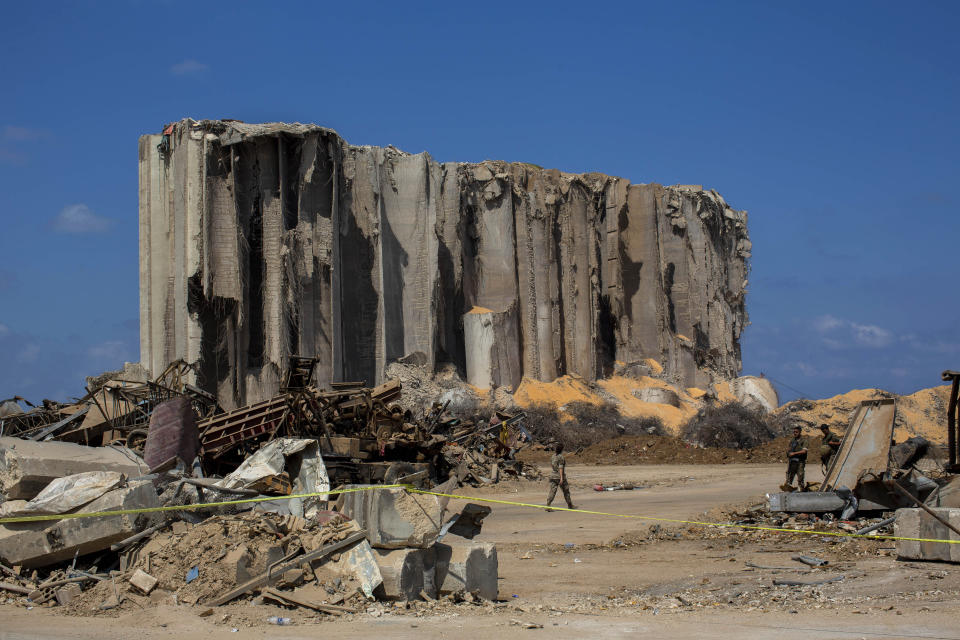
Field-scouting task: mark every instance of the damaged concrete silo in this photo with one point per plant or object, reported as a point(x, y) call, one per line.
point(262, 241)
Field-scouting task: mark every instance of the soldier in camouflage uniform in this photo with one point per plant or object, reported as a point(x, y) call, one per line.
point(829, 447)
point(558, 478)
point(797, 458)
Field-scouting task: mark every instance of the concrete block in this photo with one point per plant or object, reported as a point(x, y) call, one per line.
point(407, 572)
point(65, 595)
point(143, 581)
point(916, 523)
point(393, 518)
point(26, 467)
point(469, 567)
point(657, 395)
point(38, 544)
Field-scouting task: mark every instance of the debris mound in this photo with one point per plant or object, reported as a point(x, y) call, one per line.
point(581, 424)
point(731, 426)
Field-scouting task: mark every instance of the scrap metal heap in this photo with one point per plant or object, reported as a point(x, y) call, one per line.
point(363, 433)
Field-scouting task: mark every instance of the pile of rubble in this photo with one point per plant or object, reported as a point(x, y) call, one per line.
point(372, 544)
point(166, 454)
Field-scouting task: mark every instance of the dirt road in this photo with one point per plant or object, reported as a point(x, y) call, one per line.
point(666, 491)
point(576, 575)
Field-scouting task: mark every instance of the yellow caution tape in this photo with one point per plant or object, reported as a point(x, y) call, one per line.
point(202, 505)
point(836, 534)
point(411, 489)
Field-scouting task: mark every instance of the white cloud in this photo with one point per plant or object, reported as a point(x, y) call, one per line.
point(827, 323)
point(78, 218)
point(845, 333)
point(188, 67)
point(869, 335)
point(4, 330)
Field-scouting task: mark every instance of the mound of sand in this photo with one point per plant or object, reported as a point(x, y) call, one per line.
point(619, 390)
point(923, 413)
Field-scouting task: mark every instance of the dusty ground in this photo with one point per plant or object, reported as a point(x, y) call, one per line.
point(582, 575)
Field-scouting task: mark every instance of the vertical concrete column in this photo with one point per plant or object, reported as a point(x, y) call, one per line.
point(409, 247)
point(195, 181)
point(149, 196)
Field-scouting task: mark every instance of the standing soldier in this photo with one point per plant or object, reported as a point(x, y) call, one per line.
point(830, 446)
point(797, 458)
point(558, 478)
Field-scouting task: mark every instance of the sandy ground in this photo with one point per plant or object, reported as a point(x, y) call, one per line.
point(582, 575)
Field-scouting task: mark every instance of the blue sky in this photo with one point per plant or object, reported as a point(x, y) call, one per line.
point(834, 124)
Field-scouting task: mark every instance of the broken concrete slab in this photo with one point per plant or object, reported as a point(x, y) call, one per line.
point(38, 544)
point(407, 572)
point(916, 523)
point(26, 467)
point(468, 567)
point(358, 561)
point(64, 494)
point(394, 518)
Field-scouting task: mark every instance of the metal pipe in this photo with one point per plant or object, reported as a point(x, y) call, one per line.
point(876, 526)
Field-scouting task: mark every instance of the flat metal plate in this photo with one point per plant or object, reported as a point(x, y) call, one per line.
point(866, 445)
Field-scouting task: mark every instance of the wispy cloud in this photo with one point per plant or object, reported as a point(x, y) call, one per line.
point(114, 350)
point(24, 134)
point(4, 330)
point(79, 219)
point(14, 140)
point(188, 67)
point(29, 353)
point(826, 323)
point(869, 335)
point(838, 333)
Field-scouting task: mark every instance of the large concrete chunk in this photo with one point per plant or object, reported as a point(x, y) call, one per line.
point(756, 393)
point(38, 544)
point(393, 518)
point(407, 572)
point(469, 567)
point(26, 467)
point(493, 359)
point(917, 523)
